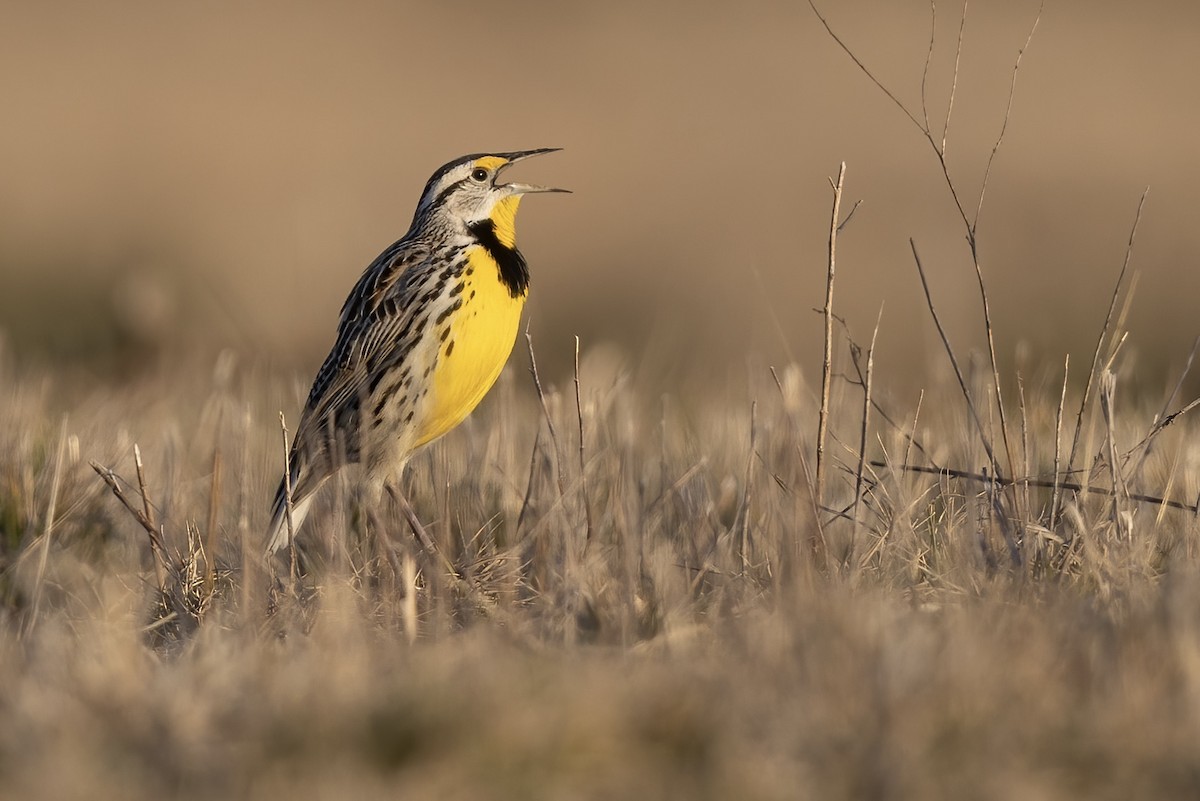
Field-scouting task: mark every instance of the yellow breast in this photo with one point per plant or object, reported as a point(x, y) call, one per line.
point(469, 360)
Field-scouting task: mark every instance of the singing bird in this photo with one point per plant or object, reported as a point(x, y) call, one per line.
point(422, 337)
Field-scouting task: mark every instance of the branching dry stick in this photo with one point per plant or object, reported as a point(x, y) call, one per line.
point(1012, 91)
point(156, 543)
point(1147, 441)
point(940, 152)
point(1163, 423)
point(1108, 318)
point(827, 360)
point(962, 382)
point(860, 380)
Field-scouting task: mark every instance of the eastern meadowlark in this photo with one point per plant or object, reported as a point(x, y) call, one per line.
point(422, 337)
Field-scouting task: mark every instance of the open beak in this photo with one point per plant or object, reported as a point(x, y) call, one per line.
point(526, 189)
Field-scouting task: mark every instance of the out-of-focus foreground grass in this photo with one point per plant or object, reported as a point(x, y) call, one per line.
point(655, 625)
point(638, 595)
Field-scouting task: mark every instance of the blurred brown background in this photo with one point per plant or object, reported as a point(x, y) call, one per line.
point(216, 174)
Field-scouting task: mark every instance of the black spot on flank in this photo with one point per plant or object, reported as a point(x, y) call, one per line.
point(449, 310)
point(408, 417)
point(472, 295)
point(428, 370)
point(379, 407)
point(514, 272)
point(470, 271)
point(456, 289)
point(449, 348)
point(445, 333)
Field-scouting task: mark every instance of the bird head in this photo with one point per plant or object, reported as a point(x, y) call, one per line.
point(470, 190)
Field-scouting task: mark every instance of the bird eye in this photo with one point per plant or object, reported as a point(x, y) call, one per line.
point(479, 175)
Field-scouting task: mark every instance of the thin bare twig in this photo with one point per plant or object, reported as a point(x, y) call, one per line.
point(863, 67)
point(537, 384)
point(1045, 483)
point(1144, 446)
point(1056, 495)
point(1163, 423)
point(962, 382)
point(962, 27)
point(1012, 91)
point(928, 61)
point(860, 380)
point(866, 424)
point(827, 360)
point(157, 551)
point(1108, 317)
point(583, 488)
point(1108, 392)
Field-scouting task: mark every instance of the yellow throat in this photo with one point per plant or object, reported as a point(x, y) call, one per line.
point(481, 335)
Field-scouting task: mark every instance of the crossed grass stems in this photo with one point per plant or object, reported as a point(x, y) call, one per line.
point(1033, 541)
point(1008, 488)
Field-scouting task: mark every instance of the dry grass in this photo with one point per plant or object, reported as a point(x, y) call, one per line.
point(619, 593)
point(690, 649)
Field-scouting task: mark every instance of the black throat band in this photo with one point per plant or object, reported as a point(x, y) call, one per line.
point(514, 272)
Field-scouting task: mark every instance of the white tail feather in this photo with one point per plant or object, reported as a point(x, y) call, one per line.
point(277, 535)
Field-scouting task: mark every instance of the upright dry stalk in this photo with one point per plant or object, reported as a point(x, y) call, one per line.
point(1108, 392)
point(743, 533)
point(287, 500)
point(817, 545)
point(1056, 494)
point(157, 550)
point(939, 148)
point(827, 360)
point(537, 385)
point(1093, 373)
point(51, 510)
point(583, 487)
point(213, 531)
point(863, 433)
point(958, 373)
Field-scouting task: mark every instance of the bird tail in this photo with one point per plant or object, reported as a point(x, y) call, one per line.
point(279, 534)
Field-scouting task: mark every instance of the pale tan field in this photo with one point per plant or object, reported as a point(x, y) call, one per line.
point(240, 165)
point(636, 594)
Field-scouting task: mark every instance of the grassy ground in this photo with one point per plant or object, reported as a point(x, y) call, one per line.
point(622, 593)
point(663, 623)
